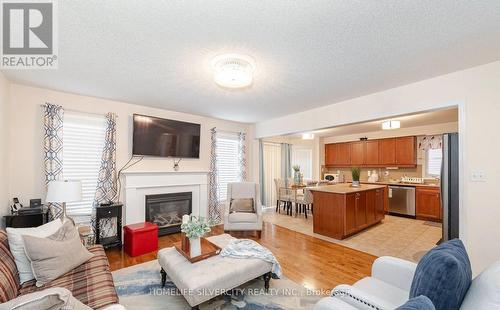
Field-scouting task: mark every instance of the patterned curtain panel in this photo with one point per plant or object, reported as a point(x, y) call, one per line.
point(430, 142)
point(106, 184)
point(214, 210)
point(53, 148)
point(242, 155)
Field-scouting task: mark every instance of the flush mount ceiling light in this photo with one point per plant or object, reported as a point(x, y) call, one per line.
point(388, 125)
point(233, 70)
point(307, 136)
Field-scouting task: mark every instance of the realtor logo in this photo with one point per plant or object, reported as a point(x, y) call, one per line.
point(28, 35)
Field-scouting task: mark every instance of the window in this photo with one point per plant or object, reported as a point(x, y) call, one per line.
point(228, 166)
point(433, 160)
point(83, 142)
point(272, 166)
point(303, 157)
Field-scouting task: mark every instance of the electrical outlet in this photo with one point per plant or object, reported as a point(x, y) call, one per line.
point(478, 176)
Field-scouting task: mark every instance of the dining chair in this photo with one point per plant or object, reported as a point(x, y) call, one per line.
point(283, 195)
point(305, 202)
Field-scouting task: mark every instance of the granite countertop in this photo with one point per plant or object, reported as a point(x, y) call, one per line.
point(345, 188)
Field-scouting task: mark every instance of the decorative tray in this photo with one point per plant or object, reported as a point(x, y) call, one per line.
point(208, 249)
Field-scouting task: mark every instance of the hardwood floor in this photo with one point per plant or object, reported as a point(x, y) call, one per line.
point(306, 260)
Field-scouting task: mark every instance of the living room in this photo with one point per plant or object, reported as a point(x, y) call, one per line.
point(212, 84)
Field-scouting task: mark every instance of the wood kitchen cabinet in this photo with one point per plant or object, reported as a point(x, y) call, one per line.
point(329, 154)
point(356, 211)
point(371, 152)
point(428, 204)
point(338, 154)
point(380, 198)
point(387, 151)
point(358, 153)
point(406, 151)
point(390, 152)
point(341, 211)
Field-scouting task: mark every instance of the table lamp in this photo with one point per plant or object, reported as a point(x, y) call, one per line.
point(63, 192)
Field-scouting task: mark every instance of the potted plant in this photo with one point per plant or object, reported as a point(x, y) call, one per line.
point(195, 228)
point(296, 174)
point(356, 172)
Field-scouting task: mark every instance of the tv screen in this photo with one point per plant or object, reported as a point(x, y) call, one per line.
point(155, 136)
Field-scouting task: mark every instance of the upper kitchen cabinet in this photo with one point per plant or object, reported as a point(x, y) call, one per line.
point(406, 154)
point(329, 154)
point(338, 154)
point(358, 154)
point(390, 152)
point(387, 152)
point(371, 152)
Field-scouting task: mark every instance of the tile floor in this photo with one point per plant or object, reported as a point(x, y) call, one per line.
point(396, 236)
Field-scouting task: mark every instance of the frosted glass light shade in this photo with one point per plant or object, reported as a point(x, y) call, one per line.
point(233, 70)
point(64, 191)
point(391, 125)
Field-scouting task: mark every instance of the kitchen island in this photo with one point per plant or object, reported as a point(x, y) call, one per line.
point(341, 210)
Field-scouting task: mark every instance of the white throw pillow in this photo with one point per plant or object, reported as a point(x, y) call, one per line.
point(484, 292)
point(16, 244)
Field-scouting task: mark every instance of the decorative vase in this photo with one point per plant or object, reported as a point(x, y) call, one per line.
point(355, 183)
point(194, 247)
point(296, 177)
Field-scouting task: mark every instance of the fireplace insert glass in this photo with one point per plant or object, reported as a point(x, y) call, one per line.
point(166, 211)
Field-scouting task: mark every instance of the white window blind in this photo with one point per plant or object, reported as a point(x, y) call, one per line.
point(83, 142)
point(303, 158)
point(434, 157)
point(228, 166)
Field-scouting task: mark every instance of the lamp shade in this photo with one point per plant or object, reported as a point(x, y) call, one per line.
point(64, 191)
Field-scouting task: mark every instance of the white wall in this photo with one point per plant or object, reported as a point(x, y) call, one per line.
point(477, 90)
point(4, 146)
point(26, 137)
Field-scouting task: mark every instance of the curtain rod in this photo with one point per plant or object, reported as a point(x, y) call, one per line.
point(271, 142)
point(84, 112)
point(226, 131)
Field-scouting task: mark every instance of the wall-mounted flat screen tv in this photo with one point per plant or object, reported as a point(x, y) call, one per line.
point(155, 136)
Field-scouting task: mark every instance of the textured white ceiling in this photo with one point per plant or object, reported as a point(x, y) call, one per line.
point(308, 53)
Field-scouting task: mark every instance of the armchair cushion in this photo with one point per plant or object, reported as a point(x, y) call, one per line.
point(395, 271)
point(444, 275)
point(245, 205)
point(484, 292)
point(418, 303)
point(243, 217)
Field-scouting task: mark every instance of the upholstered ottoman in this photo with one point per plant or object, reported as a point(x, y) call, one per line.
point(211, 277)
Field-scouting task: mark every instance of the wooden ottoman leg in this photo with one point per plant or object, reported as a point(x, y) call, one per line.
point(267, 279)
point(163, 277)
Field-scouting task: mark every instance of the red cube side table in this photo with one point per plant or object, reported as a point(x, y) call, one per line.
point(140, 238)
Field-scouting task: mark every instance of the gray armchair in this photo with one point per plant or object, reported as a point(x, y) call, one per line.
point(243, 221)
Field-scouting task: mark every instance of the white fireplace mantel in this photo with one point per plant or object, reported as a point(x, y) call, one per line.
point(138, 184)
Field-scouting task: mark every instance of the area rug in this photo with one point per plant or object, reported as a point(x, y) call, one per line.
point(139, 287)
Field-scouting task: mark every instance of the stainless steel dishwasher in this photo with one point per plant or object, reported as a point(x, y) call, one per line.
point(402, 200)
